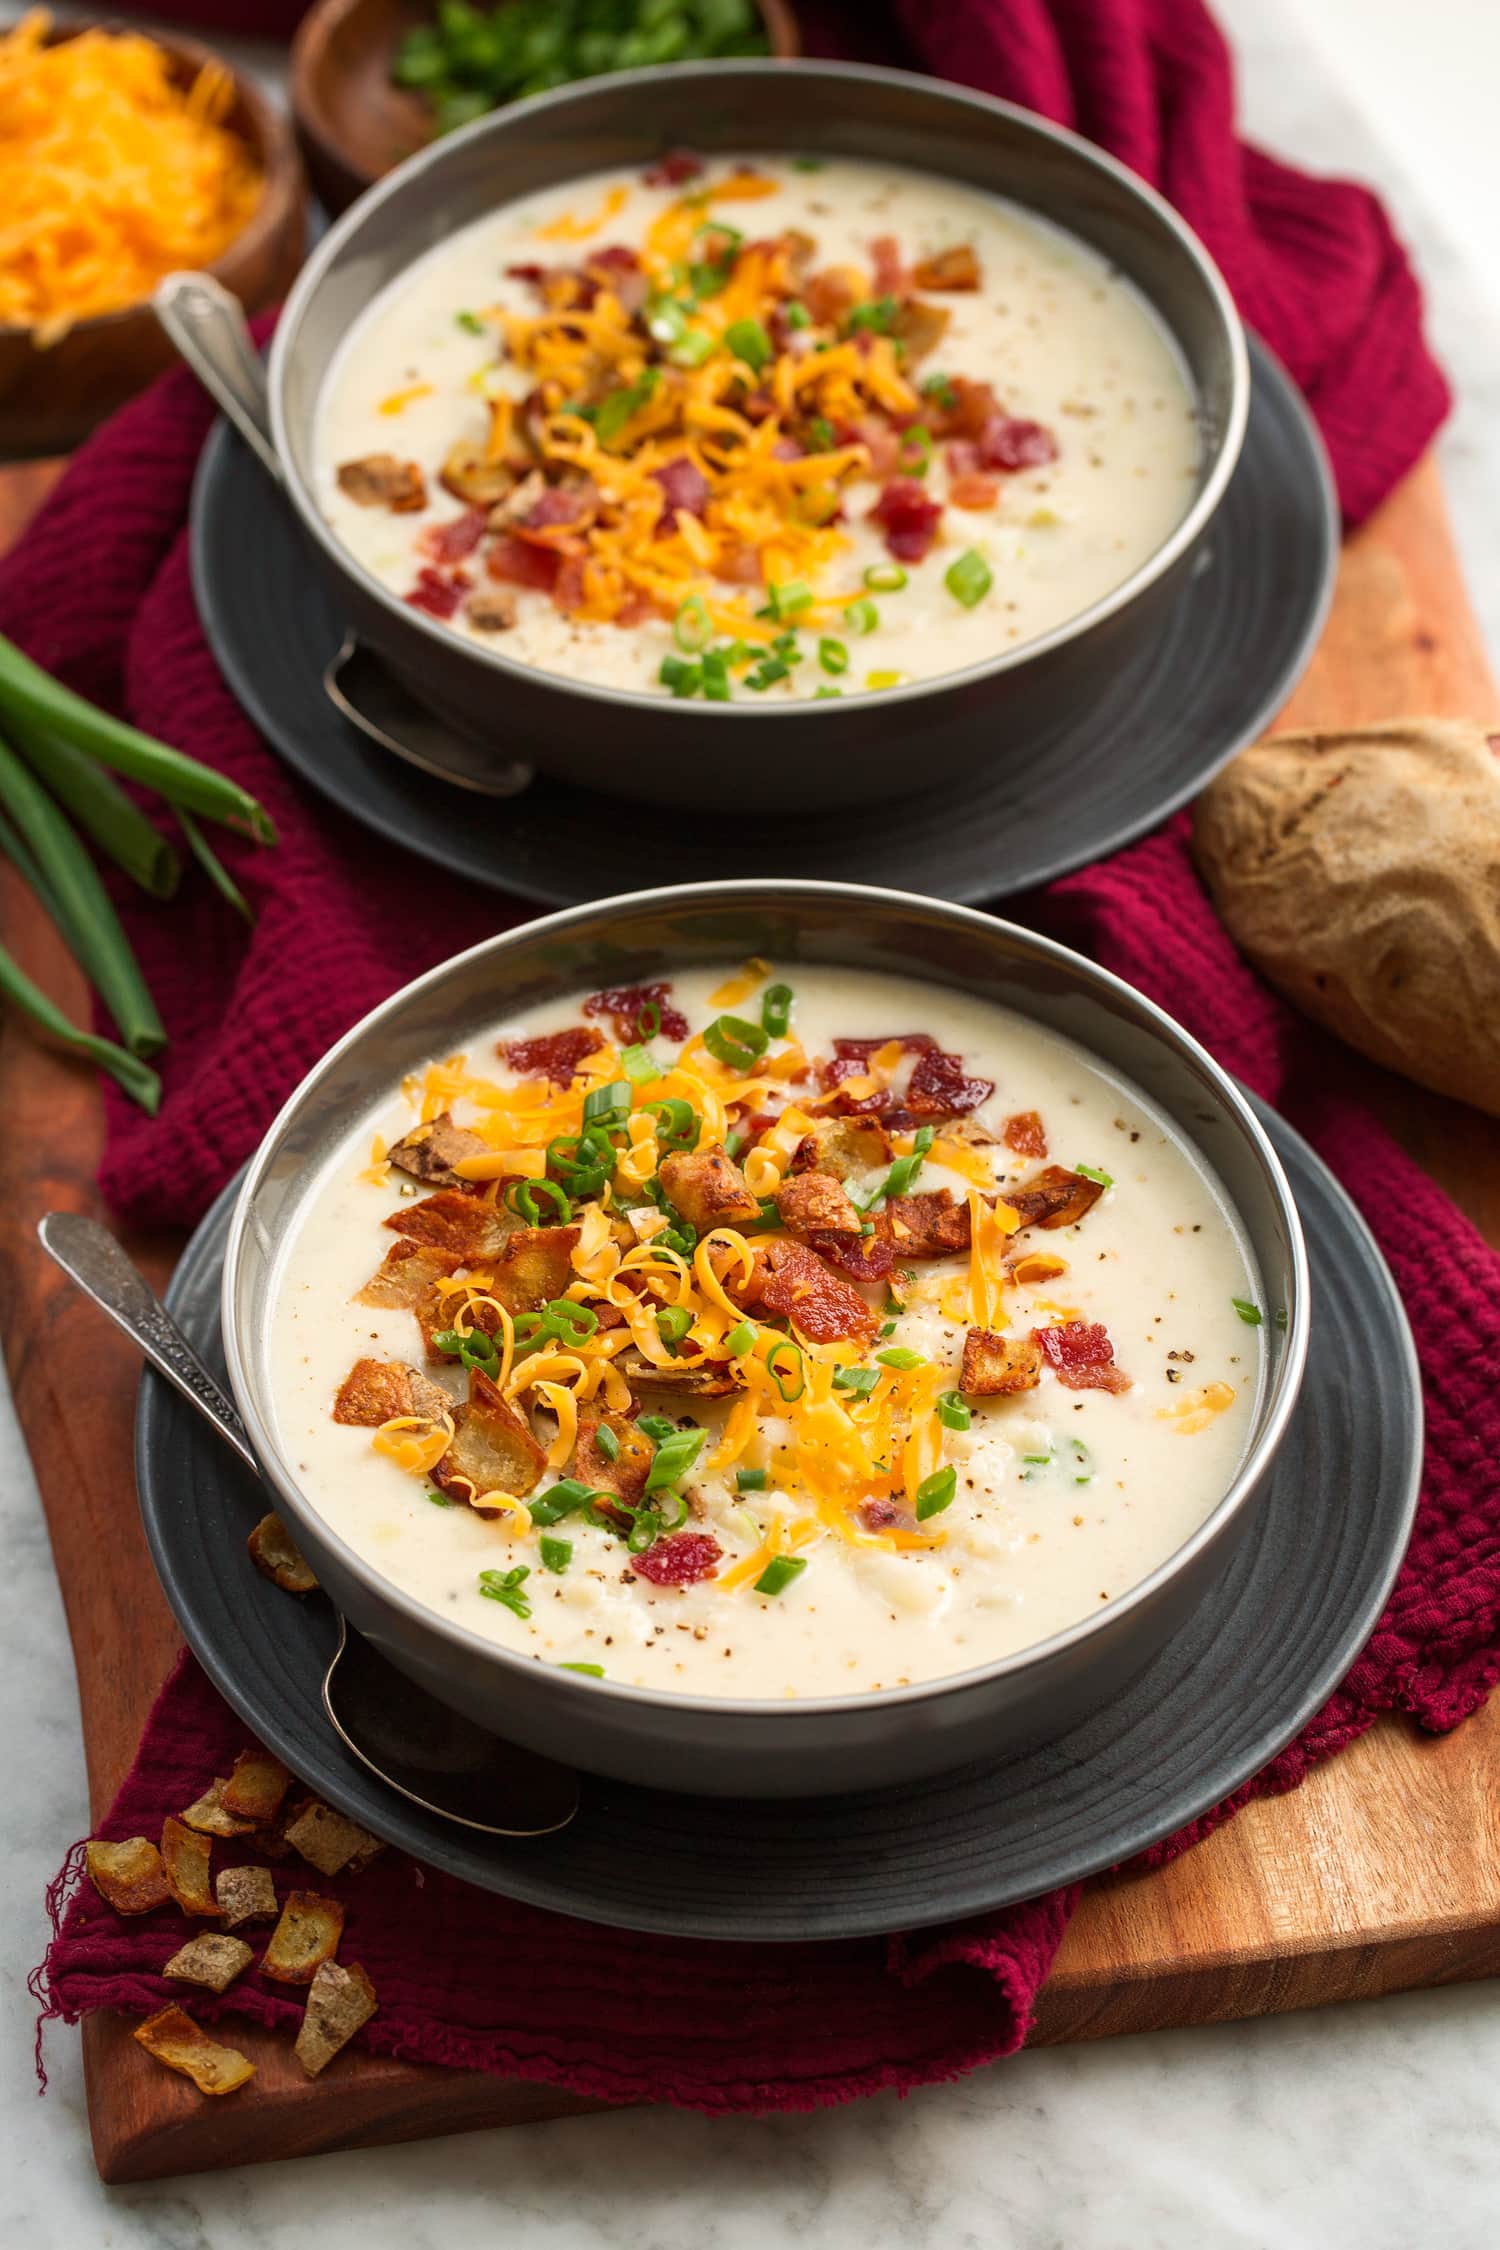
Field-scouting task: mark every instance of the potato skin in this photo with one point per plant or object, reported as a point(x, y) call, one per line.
point(1360, 872)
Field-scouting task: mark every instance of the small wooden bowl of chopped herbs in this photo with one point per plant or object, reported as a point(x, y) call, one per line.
point(373, 81)
point(124, 158)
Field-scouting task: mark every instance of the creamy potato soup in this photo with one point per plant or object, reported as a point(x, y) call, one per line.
point(756, 429)
point(739, 1337)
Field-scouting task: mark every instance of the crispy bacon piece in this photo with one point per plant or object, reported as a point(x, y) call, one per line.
point(708, 1187)
point(930, 1225)
point(861, 1050)
point(828, 294)
point(493, 1448)
point(624, 1004)
point(684, 486)
point(863, 1257)
point(885, 1515)
point(792, 1280)
point(939, 1087)
point(675, 168)
point(908, 517)
point(429, 1152)
point(1025, 1133)
point(1055, 1198)
point(881, 440)
point(558, 511)
point(450, 542)
point(680, 1559)
point(406, 1273)
point(522, 562)
point(842, 1145)
point(535, 1266)
point(1008, 443)
point(626, 1473)
point(954, 268)
point(375, 1390)
point(437, 592)
point(998, 1366)
point(463, 1226)
point(380, 480)
point(617, 268)
point(554, 1055)
point(814, 1201)
point(1081, 1355)
point(887, 274)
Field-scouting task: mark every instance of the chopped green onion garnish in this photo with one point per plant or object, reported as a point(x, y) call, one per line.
point(692, 347)
point(1090, 1172)
point(751, 1480)
point(952, 1412)
point(692, 627)
point(607, 1442)
point(786, 1353)
point(900, 1356)
point(472, 1347)
point(786, 601)
point(767, 672)
point(796, 315)
point(935, 1493)
point(940, 388)
point(877, 314)
point(885, 578)
point(657, 1426)
point(970, 578)
point(779, 1573)
point(820, 692)
point(1038, 1460)
point(675, 1456)
point(608, 1106)
point(617, 407)
point(438, 1499)
point(505, 1586)
point(807, 163)
point(590, 1671)
point(563, 1499)
point(740, 1340)
point(673, 1323)
point(682, 678)
point(470, 322)
point(568, 1320)
point(776, 1010)
point(734, 1042)
point(821, 434)
point(861, 616)
point(556, 1555)
point(748, 341)
point(887, 1327)
point(1249, 1314)
point(677, 1124)
point(715, 669)
point(915, 456)
point(833, 656)
point(521, 1198)
point(892, 1302)
point(859, 1380)
point(640, 1066)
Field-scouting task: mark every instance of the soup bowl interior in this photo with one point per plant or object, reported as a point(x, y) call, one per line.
point(719, 1745)
point(648, 745)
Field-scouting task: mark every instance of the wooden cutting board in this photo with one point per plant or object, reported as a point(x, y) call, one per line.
point(1381, 1872)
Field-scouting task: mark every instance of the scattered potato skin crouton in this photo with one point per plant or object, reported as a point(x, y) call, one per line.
point(325, 1838)
point(815, 1201)
point(186, 1856)
point(256, 1785)
point(493, 1447)
point(212, 1817)
point(129, 1876)
point(1056, 1197)
point(842, 1145)
point(535, 1266)
point(698, 1378)
point(306, 1936)
point(377, 1390)
point(406, 1272)
point(429, 1152)
point(957, 267)
point(466, 1227)
point(382, 480)
point(339, 2001)
point(213, 1960)
point(929, 1225)
point(626, 1474)
point(708, 1188)
point(247, 1894)
point(998, 1366)
point(277, 1556)
point(174, 2039)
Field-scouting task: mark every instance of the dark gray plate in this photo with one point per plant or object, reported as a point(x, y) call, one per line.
point(1201, 688)
point(1267, 1648)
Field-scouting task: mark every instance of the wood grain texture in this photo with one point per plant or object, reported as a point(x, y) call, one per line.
point(1380, 1873)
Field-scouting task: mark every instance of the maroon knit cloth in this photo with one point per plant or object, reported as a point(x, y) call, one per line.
point(99, 591)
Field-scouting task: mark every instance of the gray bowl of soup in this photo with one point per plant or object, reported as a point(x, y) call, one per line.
point(744, 433)
point(767, 1338)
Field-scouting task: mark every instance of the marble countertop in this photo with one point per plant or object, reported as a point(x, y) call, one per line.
point(1371, 2124)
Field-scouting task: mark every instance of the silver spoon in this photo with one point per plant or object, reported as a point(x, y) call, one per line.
point(414, 1743)
point(207, 324)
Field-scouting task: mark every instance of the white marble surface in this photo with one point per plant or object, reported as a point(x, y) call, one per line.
point(1373, 2124)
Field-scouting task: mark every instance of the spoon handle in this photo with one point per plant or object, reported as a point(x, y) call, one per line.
point(89, 1254)
point(208, 326)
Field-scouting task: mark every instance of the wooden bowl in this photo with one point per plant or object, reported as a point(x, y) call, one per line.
point(353, 123)
point(50, 399)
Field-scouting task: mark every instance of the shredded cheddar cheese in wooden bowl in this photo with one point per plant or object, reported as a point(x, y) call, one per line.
point(113, 172)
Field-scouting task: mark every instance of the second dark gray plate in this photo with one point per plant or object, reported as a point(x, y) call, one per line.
point(1262, 1654)
point(1131, 750)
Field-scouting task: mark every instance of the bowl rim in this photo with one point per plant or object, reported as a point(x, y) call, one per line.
point(676, 710)
point(1274, 1413)
point(282, 190)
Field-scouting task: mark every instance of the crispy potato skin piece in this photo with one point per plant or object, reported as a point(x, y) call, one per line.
point(129, 1876)
point(256, 1786)
point(998, 1366)
point(493, 1448)
point(708, 1188)
point(429, 1152)
point(626, 1474)
point(930, 1225)
point(535, 1266)
point(954, 268)
point(1055, 1198)
point(276, 1556)
point(791, 1279)
point(698, 1378)
point(247, 1894)
point(815, 1202)
point(407, 1271)
point(463, 1226)
point(382, 480)
point(174, 2039)
point(842, 1145)
point(212, 1960)
point(306, 1936)
point(186, 1857)
point(376, 1390)
point(339, 2001)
